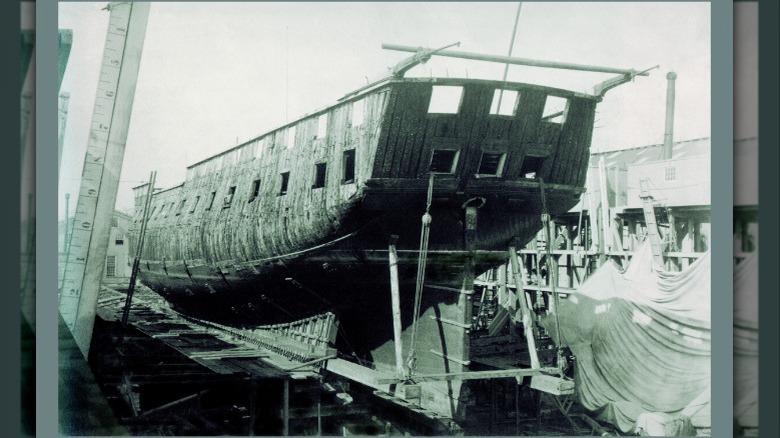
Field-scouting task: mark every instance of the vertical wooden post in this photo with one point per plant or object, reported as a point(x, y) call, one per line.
point(139, 248)
point(252, 407)
point(527, 321)
point(605, 222)
point(319, 409)
point(517, 408)
point(395, 296)
point(286, 408)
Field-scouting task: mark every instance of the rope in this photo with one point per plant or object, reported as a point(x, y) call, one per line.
point(421, 262)
point(550, 274)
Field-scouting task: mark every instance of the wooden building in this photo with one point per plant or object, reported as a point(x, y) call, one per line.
point(118, 263)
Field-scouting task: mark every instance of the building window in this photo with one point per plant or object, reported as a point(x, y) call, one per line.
point(491, 164)
point(555, 109)
point(443, 161)
point(285, 183)
point(445, 99)
point(349, 166)
point(320, 170)
point(670, 173)
point(119, 239)
point(504, 102)
point(255, 190)
point(111, 266)
point(322, 125)
point(114, 221)
point(211, 201)
point(229, 197)
point(357, 113)
point(195, 204)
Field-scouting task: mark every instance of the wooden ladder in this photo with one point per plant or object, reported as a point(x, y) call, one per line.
point(650, 221)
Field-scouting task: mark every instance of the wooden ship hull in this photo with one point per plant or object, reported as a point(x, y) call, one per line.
point(298, 221)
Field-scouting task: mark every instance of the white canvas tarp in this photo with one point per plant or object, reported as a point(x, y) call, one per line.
point(746, 342)
point(641, 339)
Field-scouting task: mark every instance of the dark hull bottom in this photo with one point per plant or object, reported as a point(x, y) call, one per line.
point(352, 280)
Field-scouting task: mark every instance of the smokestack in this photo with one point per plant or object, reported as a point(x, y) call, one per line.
point(669, 129)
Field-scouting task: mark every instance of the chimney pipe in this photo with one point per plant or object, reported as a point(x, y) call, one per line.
point(669, 128)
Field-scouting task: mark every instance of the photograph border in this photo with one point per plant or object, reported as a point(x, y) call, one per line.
point(722, 246)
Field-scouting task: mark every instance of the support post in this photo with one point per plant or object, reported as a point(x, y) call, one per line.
point(527, 322)
point(286, 408)
point(605, 222)
point(139, 249)
point(395, 295)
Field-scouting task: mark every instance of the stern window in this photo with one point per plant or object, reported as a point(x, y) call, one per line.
point(443, 161)
point(445, 99)
point(504, 102)
point(357, 112)
point(555, 109)
point(322, 126)
point(531, 166)
point(290, 137)
point(491, 164)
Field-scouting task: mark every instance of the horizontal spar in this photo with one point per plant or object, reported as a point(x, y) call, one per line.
point(519, 61)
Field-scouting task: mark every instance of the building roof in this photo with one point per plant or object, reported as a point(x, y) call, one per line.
point(644, 154)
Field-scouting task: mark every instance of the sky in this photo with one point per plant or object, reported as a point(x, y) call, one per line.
point(213, 75)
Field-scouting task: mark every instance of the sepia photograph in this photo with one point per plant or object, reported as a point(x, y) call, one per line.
point(381, 218)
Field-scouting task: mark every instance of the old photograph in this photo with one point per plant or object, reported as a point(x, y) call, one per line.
point(376, 218)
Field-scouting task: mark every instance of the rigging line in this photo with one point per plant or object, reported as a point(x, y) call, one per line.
point(421, 263)
point(511, 48)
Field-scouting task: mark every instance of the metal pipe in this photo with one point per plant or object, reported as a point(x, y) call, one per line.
point(669, 127)
point(519, 61)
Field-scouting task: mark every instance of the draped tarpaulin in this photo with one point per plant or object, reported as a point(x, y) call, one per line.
point(746, 342)
point(641, 339)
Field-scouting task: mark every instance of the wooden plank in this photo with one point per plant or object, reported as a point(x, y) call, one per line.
point(474, 375)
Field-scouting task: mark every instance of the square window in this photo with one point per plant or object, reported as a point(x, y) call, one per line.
point(357, 112)
point(445, 99)
point(320, 170)
point(504, 102)
point(491, 164)
point(443, 161)
point(531, 166)
point(670, 173)
point(291, 137)
point(119, 239)
point(322, 125)
point(555, 109)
